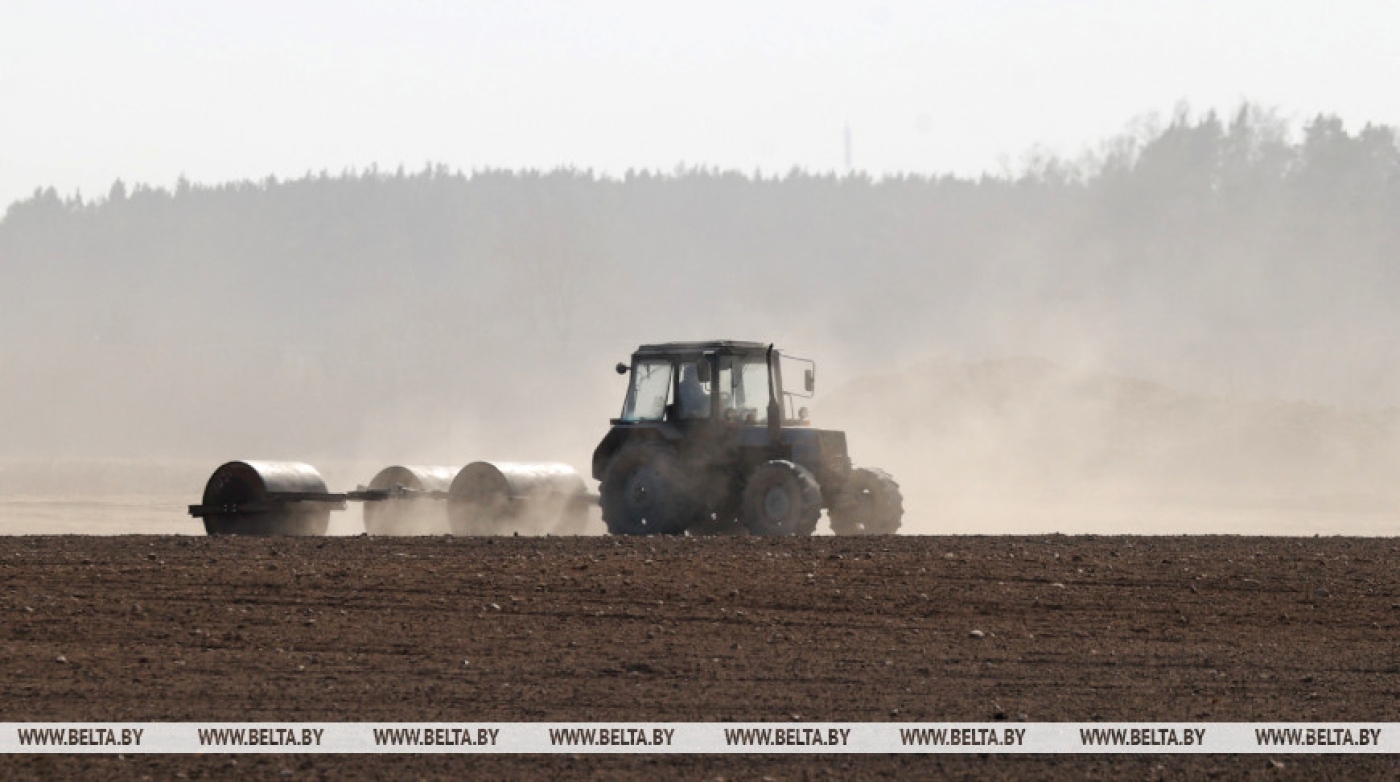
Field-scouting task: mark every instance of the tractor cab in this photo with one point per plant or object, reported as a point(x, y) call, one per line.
point(719, 382)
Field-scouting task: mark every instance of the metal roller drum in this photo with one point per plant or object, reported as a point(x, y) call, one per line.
point(500, 498)
point(261, 499)
point(407, 514)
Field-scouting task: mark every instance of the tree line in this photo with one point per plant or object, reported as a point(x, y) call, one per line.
point(1234, 254)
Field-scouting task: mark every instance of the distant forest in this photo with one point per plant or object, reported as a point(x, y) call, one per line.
point(1231, 255)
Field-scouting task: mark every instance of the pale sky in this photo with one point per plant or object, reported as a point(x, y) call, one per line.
point(96, 90)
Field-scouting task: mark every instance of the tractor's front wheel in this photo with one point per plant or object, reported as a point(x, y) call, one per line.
point(646, 491)
point(870, 503)
point(782, 498)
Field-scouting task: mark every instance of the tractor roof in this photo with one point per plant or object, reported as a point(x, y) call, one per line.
point(722, 346)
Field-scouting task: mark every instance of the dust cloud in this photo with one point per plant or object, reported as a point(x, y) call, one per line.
point(1029, 446)
point(1190, 329)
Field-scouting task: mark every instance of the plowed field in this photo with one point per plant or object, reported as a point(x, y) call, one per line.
point(603, 629)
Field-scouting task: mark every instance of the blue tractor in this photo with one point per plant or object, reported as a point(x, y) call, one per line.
point(711, 440)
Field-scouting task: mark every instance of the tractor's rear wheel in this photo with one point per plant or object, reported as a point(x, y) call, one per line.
point(782, 498)
point(646, 491)
point(870, 503)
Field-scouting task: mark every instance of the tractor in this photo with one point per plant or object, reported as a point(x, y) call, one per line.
point(711, 440)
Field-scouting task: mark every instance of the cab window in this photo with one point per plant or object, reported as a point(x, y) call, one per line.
point(649, 393)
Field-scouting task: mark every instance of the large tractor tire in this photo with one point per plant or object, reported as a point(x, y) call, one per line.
point(782, 498)
point(645, 491)
point(869, 504)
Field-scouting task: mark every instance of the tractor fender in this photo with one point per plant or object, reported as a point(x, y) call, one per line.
point(623, 434)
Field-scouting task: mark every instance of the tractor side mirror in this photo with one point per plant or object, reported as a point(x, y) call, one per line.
point(702, 370)
point(621, 368)
point(809, 380)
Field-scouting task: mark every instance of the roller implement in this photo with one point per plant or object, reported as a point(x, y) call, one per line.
point(290, 498)
point(710, 441)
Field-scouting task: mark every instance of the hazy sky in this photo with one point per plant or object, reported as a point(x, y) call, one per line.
point(95, 90)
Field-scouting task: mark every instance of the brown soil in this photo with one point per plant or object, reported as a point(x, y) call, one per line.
point(606, 629)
